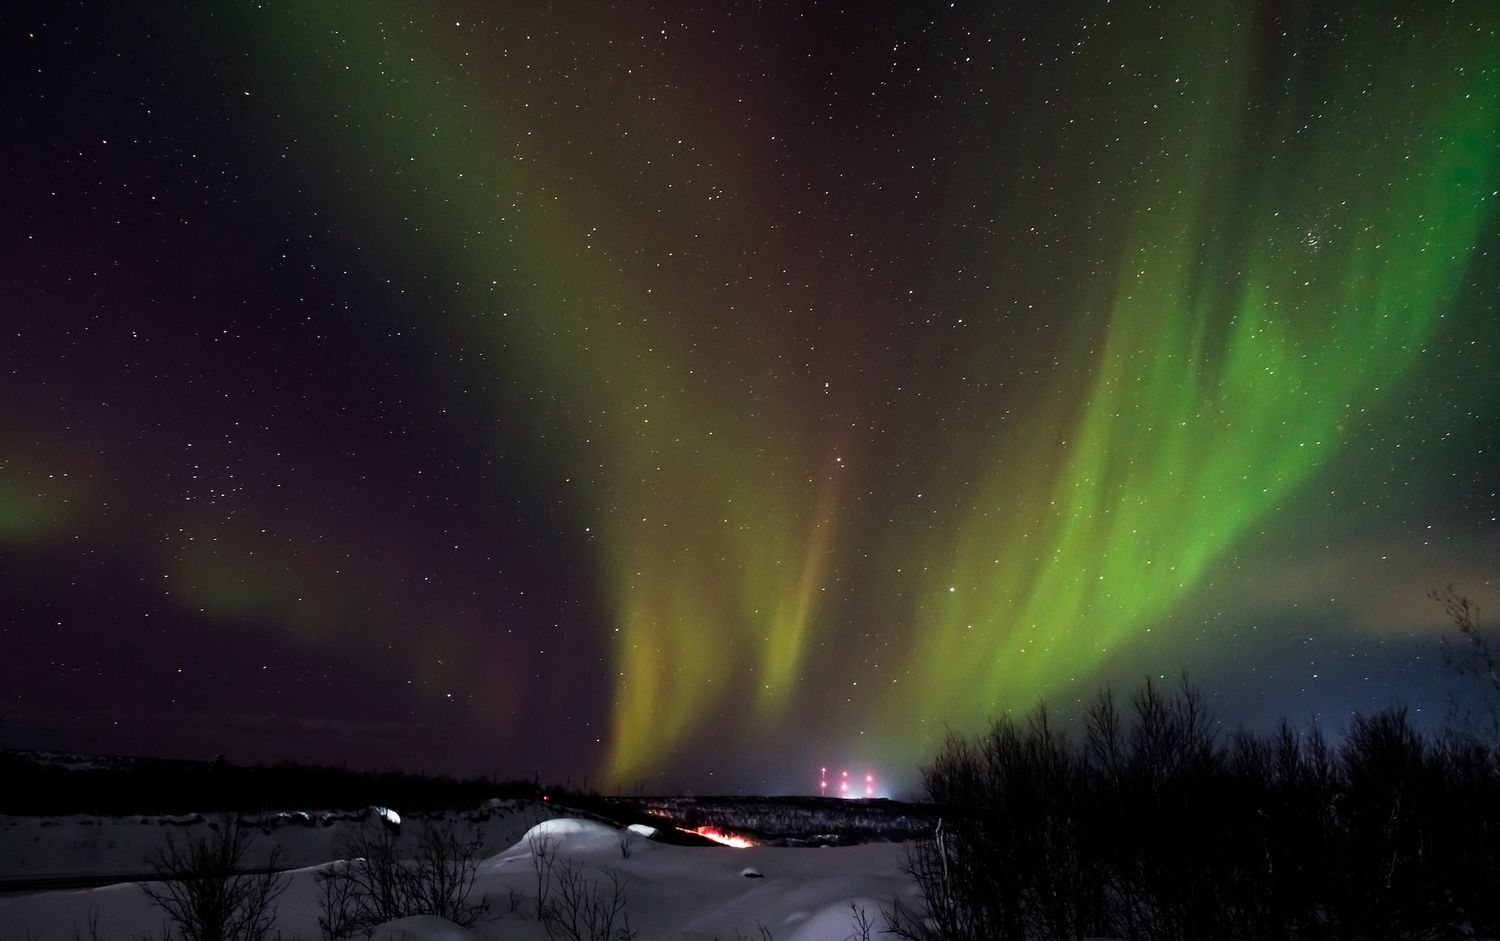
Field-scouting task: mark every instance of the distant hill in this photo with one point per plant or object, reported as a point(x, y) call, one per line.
point(56, 783)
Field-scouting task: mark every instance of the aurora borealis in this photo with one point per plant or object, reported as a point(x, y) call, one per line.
point(661, 395)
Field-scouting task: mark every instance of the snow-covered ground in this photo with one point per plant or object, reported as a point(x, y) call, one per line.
point(681, 892)
point(38, 847)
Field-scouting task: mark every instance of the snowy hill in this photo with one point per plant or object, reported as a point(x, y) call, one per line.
point(670, 891)
point(83, 845)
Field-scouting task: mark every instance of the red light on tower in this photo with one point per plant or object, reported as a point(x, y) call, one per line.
point(869, 785)
point(823, 782)
point(844, 785)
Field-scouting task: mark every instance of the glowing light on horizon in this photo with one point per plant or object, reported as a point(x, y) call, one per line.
point(848, 786)
point(721, 836)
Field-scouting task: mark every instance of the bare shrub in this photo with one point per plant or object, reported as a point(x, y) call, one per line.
point(543, 859)
point(572, 906)
point(380, 880)
point(864, 924)
point(209, 891)
point(443, 876)
point(513, 900)
point(338, 892)
point(93, 927)
point(584, 909)
point(1471, 655)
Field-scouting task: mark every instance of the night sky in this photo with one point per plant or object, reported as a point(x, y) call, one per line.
point(664, 395)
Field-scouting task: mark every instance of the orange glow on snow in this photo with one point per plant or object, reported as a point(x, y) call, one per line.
point(719, 836)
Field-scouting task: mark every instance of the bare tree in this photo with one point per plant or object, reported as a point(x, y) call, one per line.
point(208, 889)
point(443, 870)
point(543, 860)
point(1470, 654)
point(378, 882)
point(584, 909)
point(570, 905)
point(864, 924)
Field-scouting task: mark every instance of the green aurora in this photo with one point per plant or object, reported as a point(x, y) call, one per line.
point(1243, 252)
point(1269, 281)
point(1235, 358)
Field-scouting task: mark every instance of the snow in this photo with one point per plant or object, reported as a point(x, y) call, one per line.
point(674, 892)
point(573, 834)
point(421, 928)
point(33, 847)
point(838, 920)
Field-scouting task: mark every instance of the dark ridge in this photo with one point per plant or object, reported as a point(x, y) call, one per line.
point(54, 783)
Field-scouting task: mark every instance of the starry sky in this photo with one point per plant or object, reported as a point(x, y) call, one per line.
point(665, 395)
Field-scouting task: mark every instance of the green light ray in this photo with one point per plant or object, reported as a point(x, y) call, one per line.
point(1232, 359)
point(1209, 408)
point(715, 534)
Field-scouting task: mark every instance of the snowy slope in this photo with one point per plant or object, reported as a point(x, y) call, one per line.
point(58, 846)
point(677, 892)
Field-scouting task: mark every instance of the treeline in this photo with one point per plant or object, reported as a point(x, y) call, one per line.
point(1155, 826)
point(781, 821)
point(146, 786)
